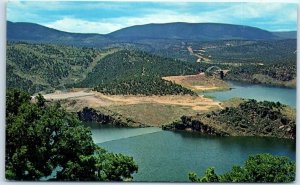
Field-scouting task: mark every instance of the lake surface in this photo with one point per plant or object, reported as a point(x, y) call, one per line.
point(170, 156)
point(259, 92)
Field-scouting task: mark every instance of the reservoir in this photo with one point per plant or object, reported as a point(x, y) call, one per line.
point(169, 156)
point(259, 92)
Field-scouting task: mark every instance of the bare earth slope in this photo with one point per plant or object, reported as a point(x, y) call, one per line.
point(199, 82)
point(152, 110)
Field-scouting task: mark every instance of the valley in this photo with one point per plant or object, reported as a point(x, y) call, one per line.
point(168, 99)
point(145, 88)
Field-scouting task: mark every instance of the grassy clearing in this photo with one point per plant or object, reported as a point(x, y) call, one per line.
point(152, 114)
point(199, 83)
point(233, 102)
point(289, 112)
point(150, 110)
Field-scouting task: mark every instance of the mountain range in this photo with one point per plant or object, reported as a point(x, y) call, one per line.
point(35, 33)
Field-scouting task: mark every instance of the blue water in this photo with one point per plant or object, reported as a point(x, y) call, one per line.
point(169, 156)
point(259, 92)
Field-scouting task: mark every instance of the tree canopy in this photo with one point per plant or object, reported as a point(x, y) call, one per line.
point(41, 138)
point(248, 118)
point(257, 168)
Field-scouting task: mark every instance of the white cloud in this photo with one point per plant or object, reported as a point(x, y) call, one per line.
point(83, 26)
point(104, 26)
point(274, 14)
point(34, 5)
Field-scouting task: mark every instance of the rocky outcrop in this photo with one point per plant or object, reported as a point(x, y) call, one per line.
point(189, 124)
point(92, 115)
point(249, 118)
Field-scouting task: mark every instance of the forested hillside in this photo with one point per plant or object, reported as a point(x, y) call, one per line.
point(279, 51)
point(136, 72)
point(267, 62)
point(40, 67)
point(190, 31)
point(249, 118)
point(35, 33)
point(127, 64)
point(36, 67)
point(143, 85)
point(280, 74)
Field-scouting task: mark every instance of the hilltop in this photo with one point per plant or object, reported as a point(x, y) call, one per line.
point(192, 31)
point(35, 33)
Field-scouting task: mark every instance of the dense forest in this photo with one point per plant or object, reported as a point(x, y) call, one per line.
point(136, 72)
point(36, 67)
point(39, 67)
point(280, 74)
point(42, 138)
point(127, 64)
point(143, 85)
point(249, 118)
point(35, 33)
point(260, 168)
point(267, 52)
point(267, 62)
point(224, 51)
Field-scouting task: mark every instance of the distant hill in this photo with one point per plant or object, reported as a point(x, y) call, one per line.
point(44, 67)
point(192, 31)
point(129, 64)
point(286, 34)
point(136, 72)
point(37, 67)
point(148, 33)
point(36, 33)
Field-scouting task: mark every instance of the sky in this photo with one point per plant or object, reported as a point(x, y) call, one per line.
point(106, 17)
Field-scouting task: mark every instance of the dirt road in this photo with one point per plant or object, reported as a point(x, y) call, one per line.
point(95, 99)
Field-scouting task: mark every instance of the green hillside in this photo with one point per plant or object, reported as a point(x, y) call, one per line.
point(128, 64)
point(136, 72)
point(143, 85)
point(40, 67)
point(36, 67)
point(249, 118)
point(190, 31)
point(279, 51)
point(35, 33)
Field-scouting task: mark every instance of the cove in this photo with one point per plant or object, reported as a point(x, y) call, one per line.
point(259, 92)
point(164, 156)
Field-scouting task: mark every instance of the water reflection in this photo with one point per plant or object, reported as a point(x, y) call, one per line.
point(258, 92)
point(169, 156)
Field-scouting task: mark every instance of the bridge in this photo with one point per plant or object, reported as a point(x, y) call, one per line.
point(215, 70)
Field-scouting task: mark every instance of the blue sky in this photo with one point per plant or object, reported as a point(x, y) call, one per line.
point(105, 17)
